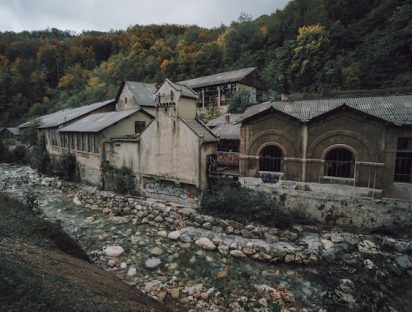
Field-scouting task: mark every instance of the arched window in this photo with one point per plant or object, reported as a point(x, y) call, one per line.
point(271, 159)
point(340, 162)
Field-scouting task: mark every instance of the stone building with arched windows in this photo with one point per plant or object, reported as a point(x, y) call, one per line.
point(348, 146)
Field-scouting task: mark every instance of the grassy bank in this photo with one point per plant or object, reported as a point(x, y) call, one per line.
point(43, 269)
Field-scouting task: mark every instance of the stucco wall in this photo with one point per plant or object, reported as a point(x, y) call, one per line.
point(169, 149)
point(123, 154)
point(125, 126)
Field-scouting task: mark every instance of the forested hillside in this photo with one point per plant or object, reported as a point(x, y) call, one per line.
point(311, 46)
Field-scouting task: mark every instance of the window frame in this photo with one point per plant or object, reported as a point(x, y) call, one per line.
point(275, 161)
point(343, 168)
point(403, 161)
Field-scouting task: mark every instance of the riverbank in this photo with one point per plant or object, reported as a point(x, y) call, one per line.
point(43, 269)
point(172, 252)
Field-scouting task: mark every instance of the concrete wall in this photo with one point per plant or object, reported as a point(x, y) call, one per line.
point(305, 145)
point(125, 126)
point(356, 211)
point(123, 154)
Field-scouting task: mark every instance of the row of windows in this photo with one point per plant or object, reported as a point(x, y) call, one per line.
point(340, 162)
point(85, 142)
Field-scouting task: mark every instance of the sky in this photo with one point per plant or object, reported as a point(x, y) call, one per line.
point(105, 15)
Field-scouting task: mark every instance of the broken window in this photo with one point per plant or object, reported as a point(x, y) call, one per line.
point(340, 162)
point(271, 159)
point(403, 165)
point(139, 126)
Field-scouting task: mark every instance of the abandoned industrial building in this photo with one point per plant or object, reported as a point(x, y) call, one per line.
point(350, 146)
point(216, 90)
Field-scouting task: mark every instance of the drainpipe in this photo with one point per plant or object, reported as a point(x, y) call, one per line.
point(304, 150)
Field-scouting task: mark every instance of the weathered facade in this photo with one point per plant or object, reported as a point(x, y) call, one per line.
point(216, 90)
point(50, 124)
point(170, 155)
point(86, 138)
point(357, 146)
point(136, 95)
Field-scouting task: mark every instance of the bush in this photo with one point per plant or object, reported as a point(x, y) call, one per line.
point(19, 154)
point(5, 154)
point(122, 181)
point(67, 166)
point(39, 158)
point(246, 206)
point(238, 102)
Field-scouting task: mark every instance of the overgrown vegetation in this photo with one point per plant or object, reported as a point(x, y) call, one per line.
point(246, 206)
point(16, 155)
point(319, 47)
point(39, 158)
point(238, 103)
point(122, 181)
point(67, 164)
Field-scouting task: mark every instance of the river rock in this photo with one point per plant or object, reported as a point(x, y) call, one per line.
point(174, 235)
point(152, 263)
point(156, 251)
point(205, 243)
point(113, 251)
point(367, 246)
point(119, 220)
point(76, 200)
point(237, 253)
point(404, 262)
point(162, 233)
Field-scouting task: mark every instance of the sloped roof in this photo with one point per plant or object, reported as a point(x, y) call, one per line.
point(201, 130)
point(186, 91)
point(98, 122)
point(14, 130)
point(142, 92)
point(221, 78)
point(221, 120)
point(229, 131)
point(396, 109)
point(65, 115)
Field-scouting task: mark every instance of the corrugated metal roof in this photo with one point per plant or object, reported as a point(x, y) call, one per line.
point(216, 79)
point(98, 122)
point(201, 130)
point(142, 92)
point(65, 115)
point(396, 109)
point(221, 120)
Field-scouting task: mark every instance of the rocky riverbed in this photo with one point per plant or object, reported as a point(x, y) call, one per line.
point(172, 252)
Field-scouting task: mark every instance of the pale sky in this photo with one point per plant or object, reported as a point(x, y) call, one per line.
point(104, 15)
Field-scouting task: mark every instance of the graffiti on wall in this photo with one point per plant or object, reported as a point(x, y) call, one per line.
point(228, 159)
point(168, 189)
point(269, 178)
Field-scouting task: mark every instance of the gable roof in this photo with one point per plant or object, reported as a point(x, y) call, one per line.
point(221, 120)
point(14, 131)
point(221, 78)
point(61, 117)
point(98, 122)
point(201, 130)
point(395, 109)
point(142, 92)
point(186, 91)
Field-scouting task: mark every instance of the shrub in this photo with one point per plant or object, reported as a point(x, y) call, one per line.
point(246, 206)
point(19, 154)
point(67, 166)
point(121, 181)
point(238, 102)
point(5, 155)
point(39, 158)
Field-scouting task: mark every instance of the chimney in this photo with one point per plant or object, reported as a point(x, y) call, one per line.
point(227, 119)
point(284, 97)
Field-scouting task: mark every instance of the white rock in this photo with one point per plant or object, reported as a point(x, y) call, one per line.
point(162, 233)
point(205, 243)
point(174, 235)
point(113, 251)
point(367, 247)
point(76, 200)
point(123, 265)
point(152, 262)
point(156, 251)
point(131, 272)
point(237, 253)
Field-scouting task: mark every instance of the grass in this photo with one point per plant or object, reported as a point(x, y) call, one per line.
point(43, 269)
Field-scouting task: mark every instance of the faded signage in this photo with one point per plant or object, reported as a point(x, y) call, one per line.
point(168, 189)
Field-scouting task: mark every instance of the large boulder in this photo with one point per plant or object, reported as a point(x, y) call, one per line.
point(205, 243)
point(113, 251)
